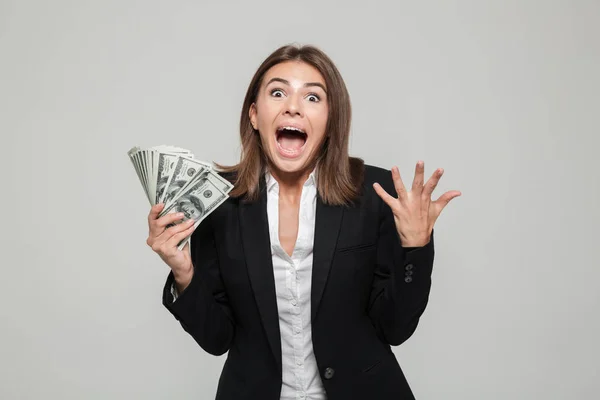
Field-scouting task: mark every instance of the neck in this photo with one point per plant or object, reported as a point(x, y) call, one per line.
point(290, 183)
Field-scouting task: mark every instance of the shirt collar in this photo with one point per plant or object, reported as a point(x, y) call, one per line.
point(272, 182)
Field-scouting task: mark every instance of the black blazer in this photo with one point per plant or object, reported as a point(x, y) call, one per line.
point(367, 293)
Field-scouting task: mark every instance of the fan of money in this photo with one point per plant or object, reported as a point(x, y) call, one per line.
point(171, 175)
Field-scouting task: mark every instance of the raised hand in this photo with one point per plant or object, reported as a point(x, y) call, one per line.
point(414, 211)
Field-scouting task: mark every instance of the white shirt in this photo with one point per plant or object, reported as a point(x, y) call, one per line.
point(293, 277)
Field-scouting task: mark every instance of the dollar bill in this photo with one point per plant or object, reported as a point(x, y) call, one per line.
point(196, 201)
point(136, 158)
point(184, 171)
point(223, 184)
point(172, 175)
point(166, 166)
point(173, 150)
point(132, 153)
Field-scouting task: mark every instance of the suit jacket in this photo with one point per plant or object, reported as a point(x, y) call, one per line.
point(368, 293)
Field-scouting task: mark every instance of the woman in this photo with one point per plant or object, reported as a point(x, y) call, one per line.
point(311, 270)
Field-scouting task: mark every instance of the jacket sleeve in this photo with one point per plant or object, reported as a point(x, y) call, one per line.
point(401, 283)
point(203, 308)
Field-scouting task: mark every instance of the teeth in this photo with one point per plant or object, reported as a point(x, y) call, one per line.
point(292, 128)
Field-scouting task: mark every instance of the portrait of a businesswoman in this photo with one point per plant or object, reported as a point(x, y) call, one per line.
point(317, 264)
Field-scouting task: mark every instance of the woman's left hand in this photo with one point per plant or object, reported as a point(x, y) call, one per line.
point(414, 212)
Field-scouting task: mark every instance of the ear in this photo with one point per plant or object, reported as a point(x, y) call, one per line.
point(252, 115)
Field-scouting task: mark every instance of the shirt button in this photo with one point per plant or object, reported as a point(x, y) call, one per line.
point(299, 362)
point(294, 302)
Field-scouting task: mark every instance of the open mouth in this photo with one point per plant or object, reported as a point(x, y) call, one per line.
point(290, 140)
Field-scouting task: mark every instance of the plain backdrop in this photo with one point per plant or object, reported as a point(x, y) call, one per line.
point(504, 95)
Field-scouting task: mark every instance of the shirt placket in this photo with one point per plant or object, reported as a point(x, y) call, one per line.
point(295, 287)
point(298, 340)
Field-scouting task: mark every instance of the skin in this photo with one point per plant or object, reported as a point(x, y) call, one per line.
point(294, 93)
point(414, 212)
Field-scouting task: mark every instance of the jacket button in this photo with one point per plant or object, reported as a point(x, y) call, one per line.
point(408, 279)
point(408, 267)
point(329, 373)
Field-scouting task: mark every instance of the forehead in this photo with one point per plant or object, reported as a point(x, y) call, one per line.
point(295, 72)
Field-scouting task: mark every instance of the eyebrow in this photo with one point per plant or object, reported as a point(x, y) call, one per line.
point(307, 84)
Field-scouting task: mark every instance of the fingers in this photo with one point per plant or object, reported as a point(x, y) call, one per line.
point(162, 243)
point(154, 211)
point(385, 196)
point(398, 184)
point(174, 241)
point(157, 226)
point(432, 182)
point(167, 220)
point(417, 185)
point(444, 199)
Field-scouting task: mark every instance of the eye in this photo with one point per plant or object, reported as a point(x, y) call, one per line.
point(277, 93)
point(314, 98)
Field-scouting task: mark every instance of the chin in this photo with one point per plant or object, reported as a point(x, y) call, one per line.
point(287, 164)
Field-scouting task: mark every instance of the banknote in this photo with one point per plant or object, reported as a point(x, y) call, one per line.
point(197, 201)
point(173, 176)
point(166, 166)
point(184, 171)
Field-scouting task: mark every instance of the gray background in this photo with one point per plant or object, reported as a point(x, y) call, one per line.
point(503, 95)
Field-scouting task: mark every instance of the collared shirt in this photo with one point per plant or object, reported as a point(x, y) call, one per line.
point(293, 276)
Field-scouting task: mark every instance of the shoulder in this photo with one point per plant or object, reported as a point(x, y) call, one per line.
point(365, 175)
point(374, 174)
point(368, 198)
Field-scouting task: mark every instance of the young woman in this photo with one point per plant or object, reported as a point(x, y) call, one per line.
point(311, 271)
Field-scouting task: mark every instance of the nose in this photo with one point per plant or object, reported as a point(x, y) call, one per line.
point(293, 105)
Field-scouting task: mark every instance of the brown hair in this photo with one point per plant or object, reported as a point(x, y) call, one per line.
point(339, 175)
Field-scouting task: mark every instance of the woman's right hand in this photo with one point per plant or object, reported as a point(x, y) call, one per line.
point(164, 240)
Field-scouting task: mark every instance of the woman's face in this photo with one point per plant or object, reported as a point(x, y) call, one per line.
point(290, 114)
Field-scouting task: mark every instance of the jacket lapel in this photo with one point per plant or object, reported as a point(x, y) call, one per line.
point(327, 227)
point(257, 249)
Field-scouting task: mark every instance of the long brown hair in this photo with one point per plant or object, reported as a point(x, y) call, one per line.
point(339, 175)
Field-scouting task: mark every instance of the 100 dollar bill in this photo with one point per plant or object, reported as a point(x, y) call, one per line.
point(196, 201)
point(184, 171)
